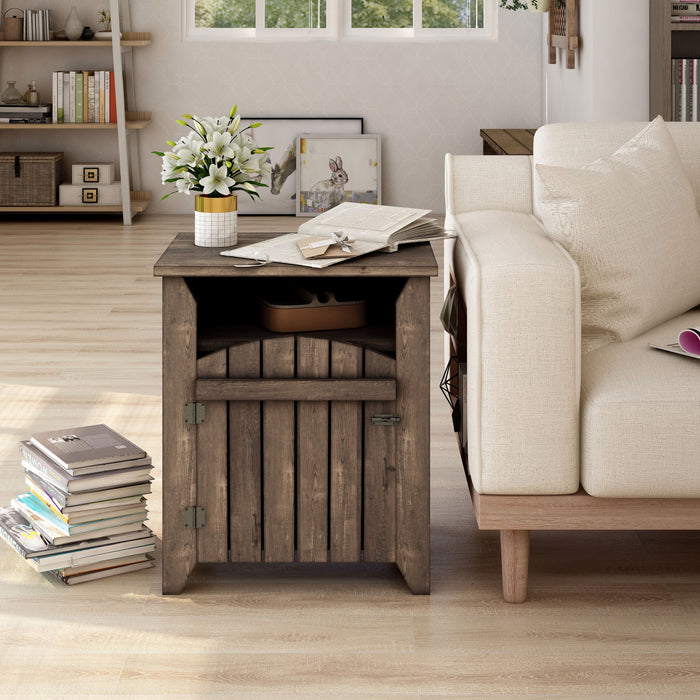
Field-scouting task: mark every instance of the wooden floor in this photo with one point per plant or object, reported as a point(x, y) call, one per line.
point(609, 614)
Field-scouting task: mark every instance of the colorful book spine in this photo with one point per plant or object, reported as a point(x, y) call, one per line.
point(78, 103)
point(102, 97)
point(112, 99)
point(91, 97)
point(54, 97)
point(108, 83)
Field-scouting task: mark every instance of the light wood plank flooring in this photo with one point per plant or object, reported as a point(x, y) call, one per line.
point(609, 614)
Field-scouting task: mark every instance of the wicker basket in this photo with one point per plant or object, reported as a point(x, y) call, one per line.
point(30, 179)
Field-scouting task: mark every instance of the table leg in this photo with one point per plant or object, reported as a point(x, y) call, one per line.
point(413, 436)
point(179, 439)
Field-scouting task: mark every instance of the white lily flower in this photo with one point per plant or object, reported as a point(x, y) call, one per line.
point(218, 146)
point(217, 181)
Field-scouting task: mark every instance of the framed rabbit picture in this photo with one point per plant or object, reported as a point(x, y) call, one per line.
point(336, 168)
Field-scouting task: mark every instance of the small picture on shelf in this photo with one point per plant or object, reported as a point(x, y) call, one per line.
point(336, 169)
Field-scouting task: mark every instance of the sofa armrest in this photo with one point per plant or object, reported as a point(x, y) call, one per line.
point(522, 298)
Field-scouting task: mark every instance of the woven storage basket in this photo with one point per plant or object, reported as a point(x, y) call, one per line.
point(30, 179)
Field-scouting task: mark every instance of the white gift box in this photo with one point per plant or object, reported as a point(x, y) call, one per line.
point(90, 195)
point(93, 173)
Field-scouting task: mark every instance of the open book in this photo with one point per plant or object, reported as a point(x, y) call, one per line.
point(366, 227)
point(688, 344)
point(389, 226)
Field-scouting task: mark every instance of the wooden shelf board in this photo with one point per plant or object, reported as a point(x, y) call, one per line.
point(139, 203)
point(128, 39)
point(135, 120)
point(685, 26)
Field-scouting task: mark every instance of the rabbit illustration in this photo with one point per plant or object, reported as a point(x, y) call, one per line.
point(329, 193)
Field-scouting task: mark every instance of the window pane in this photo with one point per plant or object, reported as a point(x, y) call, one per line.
point(379, 14)
point(453, 14)
point(295, 14)
point(224, 13)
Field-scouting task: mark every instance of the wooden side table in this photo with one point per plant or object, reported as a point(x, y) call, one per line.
point(507, 142)
point(281, 447)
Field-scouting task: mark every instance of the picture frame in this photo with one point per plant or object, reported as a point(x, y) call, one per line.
point(335, 168)
point(281, 133)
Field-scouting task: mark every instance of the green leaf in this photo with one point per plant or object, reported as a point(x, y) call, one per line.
point(158, 153)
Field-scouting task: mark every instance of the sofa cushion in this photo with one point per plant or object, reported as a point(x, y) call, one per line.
point(630, 222)
point(640, 417)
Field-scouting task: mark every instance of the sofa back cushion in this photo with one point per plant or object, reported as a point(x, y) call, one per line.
point(630, 222)
point(573, 145)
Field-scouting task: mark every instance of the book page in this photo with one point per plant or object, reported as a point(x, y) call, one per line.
point(369, 216)
point(284, 249)
point(370, 222)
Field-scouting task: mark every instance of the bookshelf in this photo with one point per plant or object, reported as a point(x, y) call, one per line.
point(667, 40)
point(128, 124)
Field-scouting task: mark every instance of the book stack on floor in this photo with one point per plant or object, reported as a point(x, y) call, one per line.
point(83, 514)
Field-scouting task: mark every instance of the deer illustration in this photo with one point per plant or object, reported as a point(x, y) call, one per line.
point(281, 171)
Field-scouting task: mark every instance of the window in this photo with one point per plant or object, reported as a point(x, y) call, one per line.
point(416, 15)
point(378, 19)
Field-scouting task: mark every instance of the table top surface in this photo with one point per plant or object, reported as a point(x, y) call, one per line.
point(512, 142)
point(183, 259)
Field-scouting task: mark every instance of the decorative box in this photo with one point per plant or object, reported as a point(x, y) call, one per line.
point(309, 309)
point(30, 179)
point(93, 173)
point(90, 195)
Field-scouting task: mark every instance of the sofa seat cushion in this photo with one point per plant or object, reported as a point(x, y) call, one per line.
point(631, 224)
point(640, 417)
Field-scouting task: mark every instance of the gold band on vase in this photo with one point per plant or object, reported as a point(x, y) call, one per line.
point(215, 205)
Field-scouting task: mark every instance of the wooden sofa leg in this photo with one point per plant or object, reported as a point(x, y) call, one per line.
point(515, 554)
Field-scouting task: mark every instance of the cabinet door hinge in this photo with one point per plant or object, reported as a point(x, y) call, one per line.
point(386, 419)
point(194, 413)
point(194, 517)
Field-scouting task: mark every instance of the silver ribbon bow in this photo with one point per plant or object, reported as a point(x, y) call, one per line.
point(340, 238)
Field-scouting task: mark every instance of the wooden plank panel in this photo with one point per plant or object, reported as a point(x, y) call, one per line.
point(312, 456)
point(379, 389)
point(212, 468)
point(245, 466)
point(346, 461)
point(179, 440)
point(379, 542)
point(580, 511)
point(278, 456)
point(413, 434)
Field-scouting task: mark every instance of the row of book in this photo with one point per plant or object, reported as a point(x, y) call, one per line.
point(84, 97)
point(37, 25)
point(83, 514)
point(685, 12)
point(685, 89)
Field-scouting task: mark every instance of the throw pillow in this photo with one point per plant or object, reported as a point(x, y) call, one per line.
point(630, 222)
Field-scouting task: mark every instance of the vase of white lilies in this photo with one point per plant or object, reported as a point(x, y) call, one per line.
point(215, 160)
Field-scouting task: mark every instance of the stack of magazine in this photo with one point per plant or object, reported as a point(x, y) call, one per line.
point(83, 514)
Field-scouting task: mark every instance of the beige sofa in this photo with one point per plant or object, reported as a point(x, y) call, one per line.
point(568, 264)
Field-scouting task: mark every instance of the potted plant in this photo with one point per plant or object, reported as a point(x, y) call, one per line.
point(104, 19)
point(532, 5)
point(216, 159)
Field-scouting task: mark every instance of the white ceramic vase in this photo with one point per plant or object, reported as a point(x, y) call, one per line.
point(215, 221)
point(74, 26)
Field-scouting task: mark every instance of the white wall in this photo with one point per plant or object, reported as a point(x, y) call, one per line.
point(611, 78)
point(423, 98)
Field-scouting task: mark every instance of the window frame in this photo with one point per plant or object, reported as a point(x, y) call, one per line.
point(260, 31)
point(338, 26)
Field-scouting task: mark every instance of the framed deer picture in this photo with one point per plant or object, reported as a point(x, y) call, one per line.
point(281, 133)
point(337, 168)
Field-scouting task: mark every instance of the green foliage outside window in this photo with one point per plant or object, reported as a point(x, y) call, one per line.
point(374, 14)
